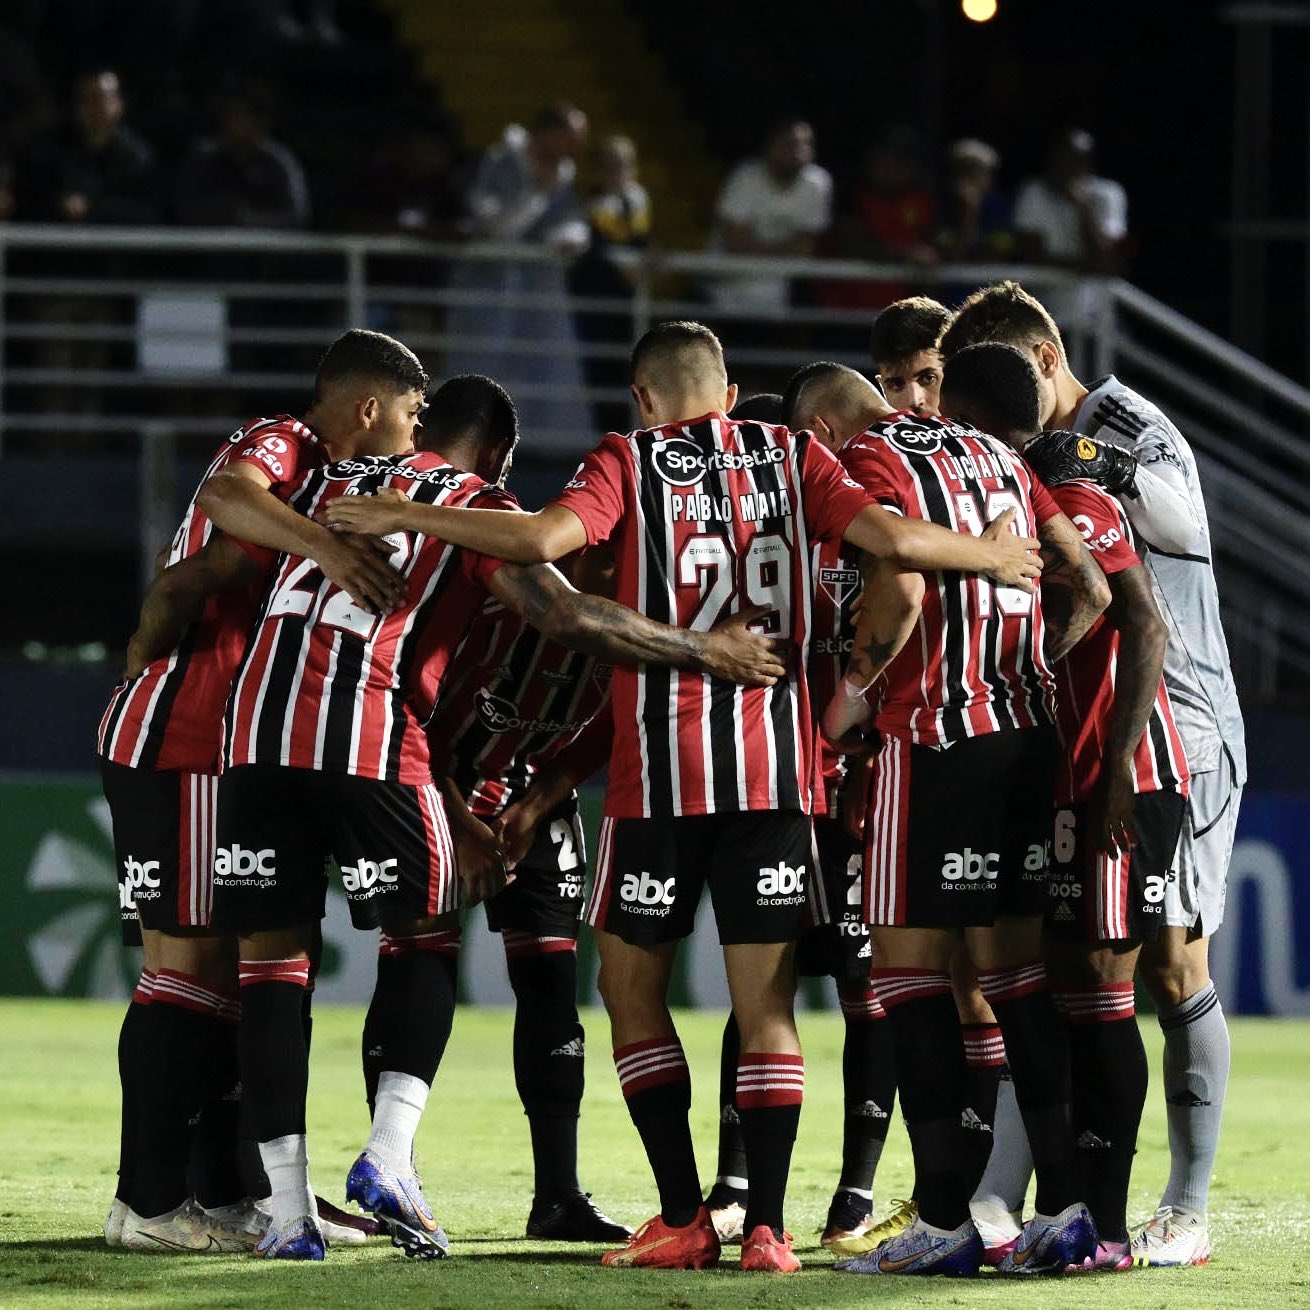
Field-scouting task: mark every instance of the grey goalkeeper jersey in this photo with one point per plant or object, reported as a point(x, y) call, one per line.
point(1196, 666)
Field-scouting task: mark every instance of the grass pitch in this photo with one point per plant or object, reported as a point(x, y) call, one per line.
point(58, 1126)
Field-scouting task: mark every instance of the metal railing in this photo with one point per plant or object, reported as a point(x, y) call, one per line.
point(150, 342)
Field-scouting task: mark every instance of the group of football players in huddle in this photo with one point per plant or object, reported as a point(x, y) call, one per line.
point(923, 676)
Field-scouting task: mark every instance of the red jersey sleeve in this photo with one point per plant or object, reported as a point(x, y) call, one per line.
point(595, 492)
point(864, 463)
point(480, 569)
point(1045, 506)
point(281, 456)
point(1096, 516)
point(830, 496)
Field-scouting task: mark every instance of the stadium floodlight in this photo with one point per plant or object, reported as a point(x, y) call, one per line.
point(979, 11)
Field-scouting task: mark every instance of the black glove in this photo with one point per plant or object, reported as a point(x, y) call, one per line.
point(1058, 457)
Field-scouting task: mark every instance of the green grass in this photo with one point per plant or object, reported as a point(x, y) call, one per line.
point(59, 1106)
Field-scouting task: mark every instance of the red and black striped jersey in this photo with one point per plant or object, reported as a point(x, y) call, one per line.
point(171, 715)
point(976, 664)
point(1085, 678)
point(510, 701)
point(836, 585)
point(324, 684)
point(707, 518)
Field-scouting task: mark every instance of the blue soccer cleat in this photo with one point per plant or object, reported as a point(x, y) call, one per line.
point(304, 1242)
point(397, 1201)
point(922, 1250)
point(1065, 1242)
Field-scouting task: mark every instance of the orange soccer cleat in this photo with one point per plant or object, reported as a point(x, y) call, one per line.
point(763, 1253)
point(656, 1245)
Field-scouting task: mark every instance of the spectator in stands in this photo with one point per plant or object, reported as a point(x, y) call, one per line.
point(525, 187)
point(975, 217)
point(889, 216)
point(414, 184)
point(619, 218)
point(242, 177)
point(1069, 217)
point(777, 204)
point(102, 172)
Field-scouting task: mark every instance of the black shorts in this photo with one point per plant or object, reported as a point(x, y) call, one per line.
point(957, 835)
point(841, 948)
point(163, 846)
point(650, 874)
point(1094, 898)
point(278, 827)
point(548, 892)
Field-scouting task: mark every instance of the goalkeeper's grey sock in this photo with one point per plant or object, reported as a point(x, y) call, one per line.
point(1196, 1059)
point(1010, 1165)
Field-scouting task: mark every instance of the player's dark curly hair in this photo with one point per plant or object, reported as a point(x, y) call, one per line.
point(373, 357)
point(472, 402)
point(995, 387)
point(905, 328)
point(766, 407)
point(1002, 312)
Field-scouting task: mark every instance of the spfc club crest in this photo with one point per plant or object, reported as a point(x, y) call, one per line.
point(839, 584)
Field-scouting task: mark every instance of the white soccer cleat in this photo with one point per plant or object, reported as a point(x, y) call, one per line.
point(1171, 1239)
point(728, 1222)
point(246, 1216)
point(999, 1229)
point(188, 1229)
point(114, 1221)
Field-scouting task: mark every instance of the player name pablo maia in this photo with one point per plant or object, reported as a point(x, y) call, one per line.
point(752, 507)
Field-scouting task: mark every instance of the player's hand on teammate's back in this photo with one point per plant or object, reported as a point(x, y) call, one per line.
point(360, 567)
point(1018, 563)
point(517, 829)
point(374, 516)
point(1111, 811)
point(479, 859)
point(735, 652)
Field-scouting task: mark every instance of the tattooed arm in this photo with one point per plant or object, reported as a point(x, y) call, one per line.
point(619, 635)
point(1071, 568)
point(889, 611)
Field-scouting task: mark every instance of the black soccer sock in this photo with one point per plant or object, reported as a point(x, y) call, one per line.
point(181, 1026)
point(932, 1079)
point(133, 1064)
point(868, 1085)
point(271, 1041)
point(732, 1145)
point(214, 1169)
point(1037, 1048)
point(656, 1085)
point(549, 1058)
point(413, 1006)
point(770, 1087)
point(1108, 1061)
point(984, 1056)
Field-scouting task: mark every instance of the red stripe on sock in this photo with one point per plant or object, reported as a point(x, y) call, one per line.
point(1104, 1003)
point(1012, 984)
point(861, 1005)
point(145, 988)
point(437, 943)
point(190, 993)
point(652, 1063)
point(896, 986)
point(251, 972)
point(519, 944)
point(765, 1078)
point(984, 1047)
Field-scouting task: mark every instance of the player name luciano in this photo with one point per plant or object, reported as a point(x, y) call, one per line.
point(752, 507)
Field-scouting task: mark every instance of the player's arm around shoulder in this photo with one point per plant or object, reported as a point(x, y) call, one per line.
point(542, 596)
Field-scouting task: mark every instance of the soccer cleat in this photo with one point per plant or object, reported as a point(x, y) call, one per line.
point(397, 1201)
point(1053, 1245)
point(902, 1216)
point(188, 1229)
point(1110, 1258)
point(763, 1252)
point(303, 1242)
point(924, 1251)
point(849, 1218)
point(246, 1216)
point(655, 1245)
point(999, 1229)
point(342, 1228)
point(727, 1207)
point(114, 1221)
point(1171, 1239)
point(575, 1219)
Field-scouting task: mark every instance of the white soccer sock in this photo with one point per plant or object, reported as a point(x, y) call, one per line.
point(399, 1107)
point(1010, 1166)
point(286, 1162)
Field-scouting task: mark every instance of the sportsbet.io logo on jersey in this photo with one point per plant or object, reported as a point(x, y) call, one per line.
point(914, 440)
point(682, 463)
